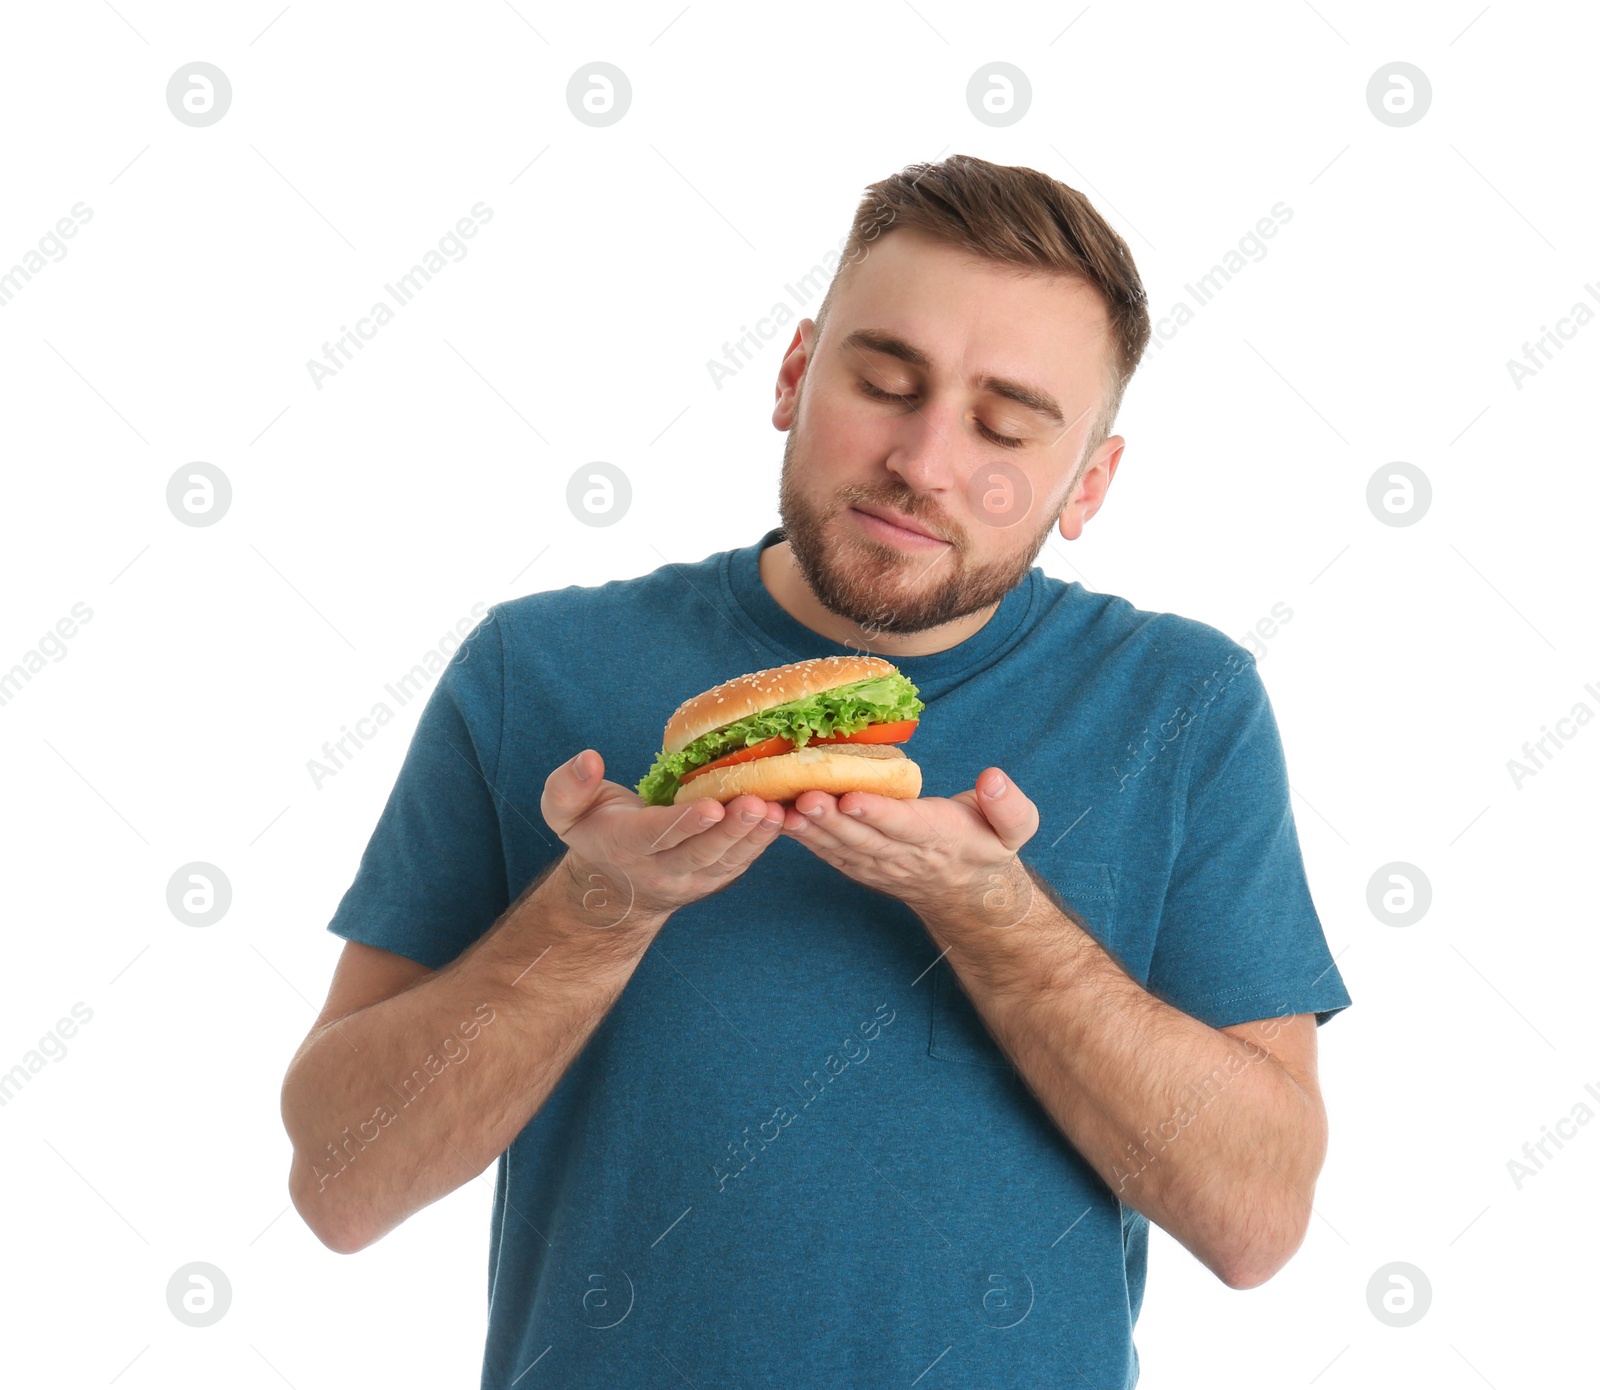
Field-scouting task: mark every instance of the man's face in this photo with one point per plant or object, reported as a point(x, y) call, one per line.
point(938, 458)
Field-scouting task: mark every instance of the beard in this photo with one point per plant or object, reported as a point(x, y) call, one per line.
point(878, 586)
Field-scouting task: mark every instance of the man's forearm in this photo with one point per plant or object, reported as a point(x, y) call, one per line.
point(1206, 1134)
point(394, 1106)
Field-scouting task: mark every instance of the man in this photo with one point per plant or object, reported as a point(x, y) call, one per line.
point(852, 1091)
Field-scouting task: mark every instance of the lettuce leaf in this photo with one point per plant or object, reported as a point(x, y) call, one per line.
point(846, 709)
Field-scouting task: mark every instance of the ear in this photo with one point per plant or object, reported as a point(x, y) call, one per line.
point(1091, 489)
point(790, 373)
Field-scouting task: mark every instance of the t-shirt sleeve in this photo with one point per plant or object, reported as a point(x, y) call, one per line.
point(1239, 938)
point(433, 876)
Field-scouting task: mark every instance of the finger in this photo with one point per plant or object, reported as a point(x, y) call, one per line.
point(571, 791)
point(1011, 815)
point(763, 831)
point(663, 828)
point(831, 828)
point(899, 819)
point(710, 843)
point(867, 821)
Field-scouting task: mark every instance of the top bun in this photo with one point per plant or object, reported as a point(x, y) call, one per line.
point(747, 695)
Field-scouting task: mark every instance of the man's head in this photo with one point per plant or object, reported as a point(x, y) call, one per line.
point(999, 306)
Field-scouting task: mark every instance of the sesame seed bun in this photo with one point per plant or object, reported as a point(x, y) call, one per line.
point(747, 695)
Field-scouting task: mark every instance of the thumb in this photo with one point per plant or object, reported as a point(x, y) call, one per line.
point(571, 789)
point(587, 771)
point(1011, 815)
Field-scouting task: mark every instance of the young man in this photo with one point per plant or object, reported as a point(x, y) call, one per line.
point(838, 1092)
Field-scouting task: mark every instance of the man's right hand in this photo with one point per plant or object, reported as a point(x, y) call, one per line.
point(628, 861)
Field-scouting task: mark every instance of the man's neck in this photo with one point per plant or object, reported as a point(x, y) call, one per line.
point(789, 591)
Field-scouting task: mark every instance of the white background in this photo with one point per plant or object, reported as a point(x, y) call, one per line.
point(430, 474)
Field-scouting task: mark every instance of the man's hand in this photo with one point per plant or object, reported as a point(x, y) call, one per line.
point(627, 860)
point(930, 853)
point(1109, 1062)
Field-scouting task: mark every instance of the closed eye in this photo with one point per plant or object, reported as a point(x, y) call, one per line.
point(1005, 441)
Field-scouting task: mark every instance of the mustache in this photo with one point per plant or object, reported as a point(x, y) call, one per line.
point(906, 506)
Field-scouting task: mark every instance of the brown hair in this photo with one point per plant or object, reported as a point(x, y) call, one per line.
point(1020, 217)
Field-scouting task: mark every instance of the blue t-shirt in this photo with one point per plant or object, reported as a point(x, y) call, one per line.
point(791, 1155)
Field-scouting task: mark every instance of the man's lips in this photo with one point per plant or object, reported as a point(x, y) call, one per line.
point(893, 518)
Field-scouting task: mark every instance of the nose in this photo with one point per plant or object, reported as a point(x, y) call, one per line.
point(925, 449)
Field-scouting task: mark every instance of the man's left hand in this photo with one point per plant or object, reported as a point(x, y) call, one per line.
point(935, 854)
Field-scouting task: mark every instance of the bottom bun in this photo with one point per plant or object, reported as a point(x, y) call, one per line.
point(830, 767)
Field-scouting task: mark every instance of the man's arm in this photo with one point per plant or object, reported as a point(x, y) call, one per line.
point(1216, 1135)
point(395, 1105)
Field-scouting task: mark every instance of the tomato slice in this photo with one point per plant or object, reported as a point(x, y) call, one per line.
point(896, 731)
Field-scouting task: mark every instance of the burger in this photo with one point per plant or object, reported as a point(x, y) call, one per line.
point(829, 724)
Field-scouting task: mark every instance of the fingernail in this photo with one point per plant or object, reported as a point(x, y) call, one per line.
point(854, 812)
point(578, 768)
point(749, 817)
point(999, 789)
point(708, 820)
point(814, 811)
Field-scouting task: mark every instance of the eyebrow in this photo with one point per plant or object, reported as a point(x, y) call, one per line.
point(1040, 402)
